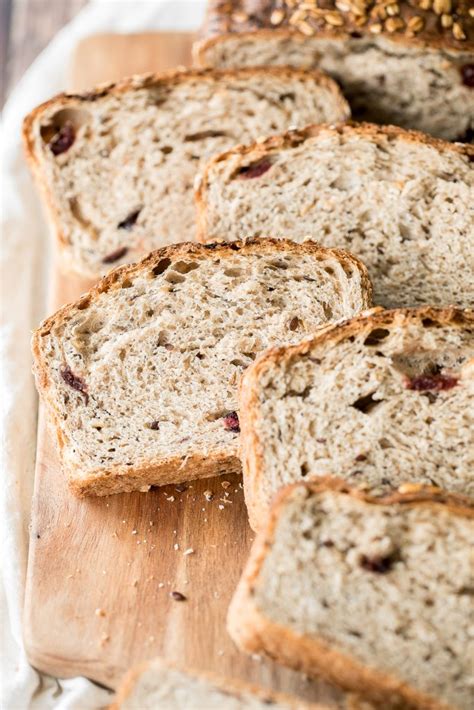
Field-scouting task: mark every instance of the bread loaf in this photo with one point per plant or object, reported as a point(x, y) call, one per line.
point(117, 165)
point(158, 685)
point(401, 201)
point(372, 593)
point(140, 375)
point(410, 63)
point(380, 400)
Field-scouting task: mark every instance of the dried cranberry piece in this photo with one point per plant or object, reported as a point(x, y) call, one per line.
point(255, 170)
point(467, 74)
point(378, 564)
point(231, 422)
point(129, 221)
point(436, 382)
point(63, 139)
point(77, 383)
point(115, 255)
point(178, 597)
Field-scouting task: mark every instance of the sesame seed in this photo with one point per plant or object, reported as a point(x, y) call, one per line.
point(276, 17)
point(416, 23)
point(376, 28)
point(458, 31)
point(305, 28)
point(334, 19)
point(447, 21)
point(442, 7)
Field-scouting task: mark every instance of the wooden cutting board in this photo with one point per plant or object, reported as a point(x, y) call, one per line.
point(101, 571)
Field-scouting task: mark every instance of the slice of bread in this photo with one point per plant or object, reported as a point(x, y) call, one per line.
point(409, 62)
point(159, 685)
point(140, 375)
point(400, 200)
point(117, 165)
point(381, 400)
point(372, 593)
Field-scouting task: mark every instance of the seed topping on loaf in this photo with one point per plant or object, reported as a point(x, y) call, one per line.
point(447, 22)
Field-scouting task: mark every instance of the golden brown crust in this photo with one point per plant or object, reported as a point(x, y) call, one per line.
point(173, 470)
point(437, 24)
point(251, 449)
point(255, 633)
point(295, 137)
point(166, 80)
point(227, 685)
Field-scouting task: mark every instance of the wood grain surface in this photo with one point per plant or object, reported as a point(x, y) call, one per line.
point(101, 571)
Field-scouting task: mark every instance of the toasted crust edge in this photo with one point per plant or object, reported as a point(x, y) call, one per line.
point(295, 137)
point(119, 478)
point(253, 632)
point(228, 685)
point(208, 41)
point(170, 78)
point(251, 448)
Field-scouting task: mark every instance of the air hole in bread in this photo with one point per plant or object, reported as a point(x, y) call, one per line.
point(367, 403)
point(304, 469)
point(429, 323)
point(174, 278)
point(327, 310)
point(233, 272)
point(329, 270)
point(294, 323)
point(66, 117)
point(288, 95)
point(201, 135)
point(161, 267)
point(83, 305)
point(238, 363)
point(376, 336)
point(184, 267)
point(166, 149)
point(277, 264)
point(126, 283)
point(250, 355)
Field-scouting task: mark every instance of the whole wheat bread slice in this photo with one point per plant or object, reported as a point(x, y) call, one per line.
point(372, 593)
point(400, 200)
point(140, 375)
point(409, 62)
point(381, 400)
point(159, 685)
point(117, 165)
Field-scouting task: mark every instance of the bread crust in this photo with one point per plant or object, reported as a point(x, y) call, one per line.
point(253, 632)
point(227, 685)
point(169, 79)
point(121, 478)
point(295, 137)
point(251, 449)
point(226, 20)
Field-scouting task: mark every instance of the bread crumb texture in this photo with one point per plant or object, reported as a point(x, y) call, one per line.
point(371, 47)
point(403, 203)
point(118, 165)
point(141, 374)
point(388, 585)
point(381, 401)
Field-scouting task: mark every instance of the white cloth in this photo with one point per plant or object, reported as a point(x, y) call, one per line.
point(24, 263)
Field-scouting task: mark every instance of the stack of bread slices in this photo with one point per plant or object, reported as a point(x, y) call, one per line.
point(299, 307)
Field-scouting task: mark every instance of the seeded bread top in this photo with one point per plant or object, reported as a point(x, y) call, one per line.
point(445, 24)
